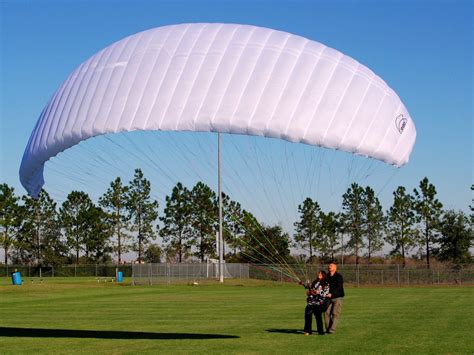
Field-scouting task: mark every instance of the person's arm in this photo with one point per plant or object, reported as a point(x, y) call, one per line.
point(305, 285)
point(313, 288)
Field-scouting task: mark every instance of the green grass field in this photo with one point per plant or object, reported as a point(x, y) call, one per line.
point(78, 315)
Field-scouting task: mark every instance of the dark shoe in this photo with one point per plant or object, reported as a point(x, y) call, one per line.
point(321, 333)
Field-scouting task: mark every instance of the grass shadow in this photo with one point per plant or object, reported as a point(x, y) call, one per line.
point(285, 331)
point(103, 334)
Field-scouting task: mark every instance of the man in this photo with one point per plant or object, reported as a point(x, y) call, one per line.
point(336, 294)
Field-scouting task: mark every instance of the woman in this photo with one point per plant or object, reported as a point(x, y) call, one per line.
point(316, 303)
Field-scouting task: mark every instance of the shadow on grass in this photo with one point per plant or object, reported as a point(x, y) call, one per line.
point(285, 331)
point(103, 334)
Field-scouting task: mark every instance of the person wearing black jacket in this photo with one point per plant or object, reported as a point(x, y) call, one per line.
point(336, 294)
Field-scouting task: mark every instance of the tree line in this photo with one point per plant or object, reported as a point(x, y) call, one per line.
point(126, 219)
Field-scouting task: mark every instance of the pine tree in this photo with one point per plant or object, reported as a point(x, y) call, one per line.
point(203, 219)
point(233, 226)
point(252, 240)
point(97, 235)
point(353, 218)
point(41, 232)
point(114, 201)
point(308, 228)
point(471, 207)
point(401, 232)
point(279, 243)
point(10, 218)
point(428, 210)
point(153, 254)
point(331, 227)
point(456, 237)
point(142, 211)
point(374, 222)
point(74, 219)
point(176, 221)
point(270, 245)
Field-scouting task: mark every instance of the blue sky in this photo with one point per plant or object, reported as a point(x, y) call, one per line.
point(422, 49)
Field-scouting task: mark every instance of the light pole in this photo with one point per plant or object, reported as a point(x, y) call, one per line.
point(219, 190)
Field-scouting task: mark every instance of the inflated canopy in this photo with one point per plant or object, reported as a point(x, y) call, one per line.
point(223, 78)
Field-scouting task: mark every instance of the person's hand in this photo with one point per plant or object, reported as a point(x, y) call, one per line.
point(328, 295)
point(308, 292)
point(314, 292)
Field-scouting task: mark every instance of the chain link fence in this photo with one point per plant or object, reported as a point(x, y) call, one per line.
point(171, 273)
point(167, 273)
point(374, 274)
point(94, 270)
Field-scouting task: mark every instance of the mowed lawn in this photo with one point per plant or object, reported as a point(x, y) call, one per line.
point(79, 315)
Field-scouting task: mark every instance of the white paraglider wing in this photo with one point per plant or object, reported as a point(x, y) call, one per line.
point(223, 78)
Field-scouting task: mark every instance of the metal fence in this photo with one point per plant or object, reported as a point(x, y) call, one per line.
point(167, 273)
point(170, 273)
point(354, 275)
point(376, 274)
point(95, 270)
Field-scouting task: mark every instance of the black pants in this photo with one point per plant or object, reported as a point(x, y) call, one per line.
point(308, 318)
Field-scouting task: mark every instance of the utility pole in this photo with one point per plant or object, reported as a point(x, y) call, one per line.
point(219, 189)
point(38, 237)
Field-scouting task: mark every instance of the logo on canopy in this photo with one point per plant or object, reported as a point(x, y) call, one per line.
point(401, 123)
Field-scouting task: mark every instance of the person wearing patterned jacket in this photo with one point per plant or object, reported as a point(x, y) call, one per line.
point(316, 303)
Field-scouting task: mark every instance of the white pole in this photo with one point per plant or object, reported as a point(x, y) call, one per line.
point(219, 187)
